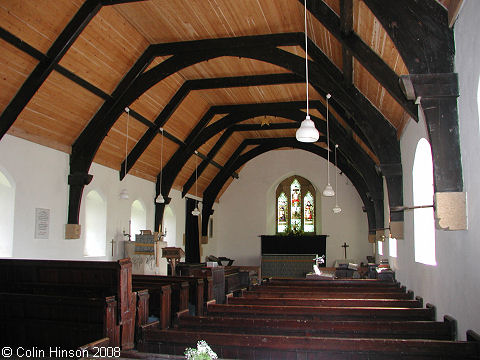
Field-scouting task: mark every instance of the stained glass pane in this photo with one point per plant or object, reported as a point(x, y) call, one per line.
point(296, 206)
point(308, 213)
point(282, 213)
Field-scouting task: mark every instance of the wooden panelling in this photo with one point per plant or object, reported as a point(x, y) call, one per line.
point(15, 66)
point(117, 36)
point(38, 22)
point(149, 162)
point(105, 50)
point(374, 35)
point(379, 97)
point(112, 151)
point(59, 110)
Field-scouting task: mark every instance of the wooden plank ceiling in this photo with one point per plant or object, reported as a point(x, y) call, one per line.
point(115, 39)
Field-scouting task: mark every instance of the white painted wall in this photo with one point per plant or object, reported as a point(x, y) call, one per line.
point(247, 209)
point(453, 285)
point(40, 175)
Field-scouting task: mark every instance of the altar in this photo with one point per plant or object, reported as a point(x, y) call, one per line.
point(291, 256)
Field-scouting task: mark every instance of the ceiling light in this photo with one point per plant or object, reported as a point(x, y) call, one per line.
point(160, 199)
point(195, 211)
point(337, 209)
point(307, 131)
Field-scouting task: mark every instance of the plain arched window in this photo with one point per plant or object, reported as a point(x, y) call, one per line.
point(138, 216)
point(392, 247)
point(380, 247)
point(423, 220)
point(7, 207)
point(95, 225)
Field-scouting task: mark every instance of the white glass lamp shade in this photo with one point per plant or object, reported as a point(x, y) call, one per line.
point(307, 131)
point(336, 209)
point(195, 211)
point(124, 194)
point(328, 191)
point(160, 199)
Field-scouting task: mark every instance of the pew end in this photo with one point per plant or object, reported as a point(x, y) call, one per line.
point(452, 325)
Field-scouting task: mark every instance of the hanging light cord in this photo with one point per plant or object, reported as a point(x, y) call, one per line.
point(196, 177)
point(306, 54)
point(161, 163)
point(336, 171)
point(328, 146)
point(126, 141)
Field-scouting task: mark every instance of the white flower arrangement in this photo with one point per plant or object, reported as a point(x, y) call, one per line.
point(202, 352)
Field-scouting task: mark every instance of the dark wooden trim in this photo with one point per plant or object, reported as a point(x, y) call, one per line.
point(346, 27)
point(265, 145)
point(46, 65)
point(362, 52)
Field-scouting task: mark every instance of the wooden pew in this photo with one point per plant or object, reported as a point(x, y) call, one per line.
point(196, 296)
point(327, 294)
point(400, 303)
point(322, 312)
point(48, 320)
point(159, 303)
point(97, 279)
point(332, 283)
point(241, 346)
point(337, 288)
point(445, 330)
point(179, 295)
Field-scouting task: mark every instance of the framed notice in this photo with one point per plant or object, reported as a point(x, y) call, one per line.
point(42, 223)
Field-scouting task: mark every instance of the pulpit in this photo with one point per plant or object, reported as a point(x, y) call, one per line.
point(145, 252)
point(173, 255)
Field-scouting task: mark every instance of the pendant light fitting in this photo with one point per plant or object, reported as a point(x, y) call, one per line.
point(307, 131)
point(337, 209)
point(160, 199)
point(328, 191)
point(195, 211)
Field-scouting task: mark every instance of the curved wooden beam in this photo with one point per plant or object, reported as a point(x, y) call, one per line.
point(265, 145)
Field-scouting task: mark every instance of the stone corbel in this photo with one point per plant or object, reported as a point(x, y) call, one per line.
point(451, 211)
point(396, 230)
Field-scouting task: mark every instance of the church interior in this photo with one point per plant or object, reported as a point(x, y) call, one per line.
point(152, 147)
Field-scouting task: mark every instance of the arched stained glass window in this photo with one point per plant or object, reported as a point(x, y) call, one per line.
point(295, 196)
point(295, 204)
point(282, 213)
point(308, 213)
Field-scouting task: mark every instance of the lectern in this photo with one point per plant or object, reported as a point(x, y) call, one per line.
point(173, 255)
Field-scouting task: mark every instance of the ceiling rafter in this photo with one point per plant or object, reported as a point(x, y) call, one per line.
point(46, 65)
point(373, 208)
point(363, 53)
point(199, 84)
point(136, 82)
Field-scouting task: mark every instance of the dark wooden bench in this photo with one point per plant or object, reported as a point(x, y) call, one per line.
point(83, 279)
point(159, 295)
point(445, 330)
point(241, 346)
point(401, 303)
point(159, 303)
point(322, 312)
point(331, 283)
point(196, 296)
point(327, 294)
point(50, 320)
point(336, 288)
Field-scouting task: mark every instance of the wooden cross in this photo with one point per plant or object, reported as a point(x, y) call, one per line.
point(345, 248)
point(112, 242)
